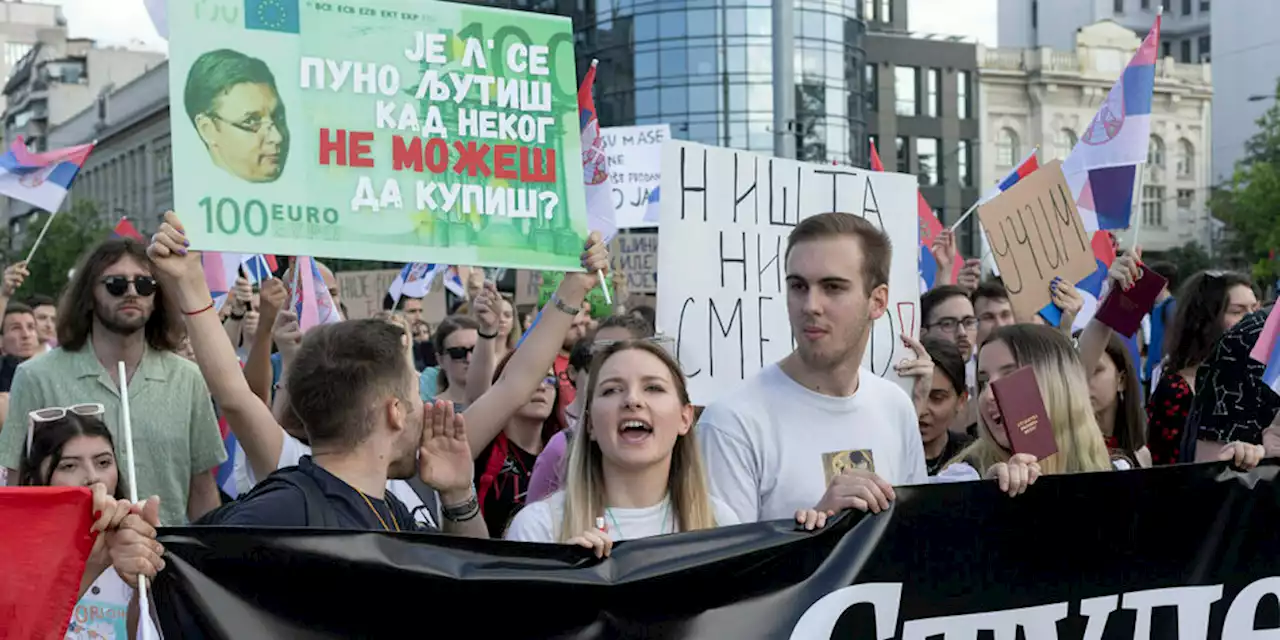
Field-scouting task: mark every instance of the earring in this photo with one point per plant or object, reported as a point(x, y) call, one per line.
point(1122, 397)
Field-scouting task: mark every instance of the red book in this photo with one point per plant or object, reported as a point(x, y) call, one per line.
point(44, 543)
point(1025, 418)
point(1123, 310)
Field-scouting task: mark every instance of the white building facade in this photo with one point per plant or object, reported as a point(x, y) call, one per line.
point(1047, 97)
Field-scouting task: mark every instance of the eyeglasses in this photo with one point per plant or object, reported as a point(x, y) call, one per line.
point(949, 325)
point(255, 126)
point(54, 414)
point(118, 285)
point(459, 353)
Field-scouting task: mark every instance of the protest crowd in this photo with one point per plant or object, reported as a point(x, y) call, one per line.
point(262, 407)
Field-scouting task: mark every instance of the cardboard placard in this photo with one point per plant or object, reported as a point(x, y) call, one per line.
point(1036, 234)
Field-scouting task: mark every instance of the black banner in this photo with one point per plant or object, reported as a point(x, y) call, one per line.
point(1176, 552)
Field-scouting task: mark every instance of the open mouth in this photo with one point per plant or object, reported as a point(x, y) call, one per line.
point(635, 431)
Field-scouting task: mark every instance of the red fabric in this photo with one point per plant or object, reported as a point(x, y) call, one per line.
point(44, 543)
point(125, 229)
point(930, 227)
point(567, 392)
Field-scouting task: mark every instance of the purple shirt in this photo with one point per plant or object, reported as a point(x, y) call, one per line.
point(548, 471)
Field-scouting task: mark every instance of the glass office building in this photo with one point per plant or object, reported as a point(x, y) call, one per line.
point(706, 68)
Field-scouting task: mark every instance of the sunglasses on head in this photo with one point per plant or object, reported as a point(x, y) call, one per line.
point(118, 285)
point(54, 414)
point(459, 353)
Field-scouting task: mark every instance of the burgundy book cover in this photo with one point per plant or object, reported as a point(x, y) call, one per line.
point(1025, 418)
point(1123, 310)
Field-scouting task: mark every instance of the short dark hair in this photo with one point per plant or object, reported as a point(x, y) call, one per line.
point(938, 295)
point(15, 308)
point(992, 289)
point(877, 249)
point(581, 353)
point(47, 441)
point(214, 73)
point(40, 300)
point(1168, 271)
point(947, 358)
point(637, 327)
point(340, 371)
point(646, 312)
point(164, 330)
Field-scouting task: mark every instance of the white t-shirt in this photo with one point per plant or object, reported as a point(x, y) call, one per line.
point(102, 613)
point(771, 446)
point(292, 450)
point(540, 521)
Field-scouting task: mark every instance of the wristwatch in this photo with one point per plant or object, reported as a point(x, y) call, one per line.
point(563, 307)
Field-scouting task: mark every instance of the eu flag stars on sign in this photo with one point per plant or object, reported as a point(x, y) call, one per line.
point(271, 15)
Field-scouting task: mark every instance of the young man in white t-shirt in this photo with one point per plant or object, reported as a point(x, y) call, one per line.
point(814, 429)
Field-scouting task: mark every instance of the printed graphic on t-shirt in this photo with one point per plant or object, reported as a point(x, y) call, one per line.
point(97, 620)
point(835, 463)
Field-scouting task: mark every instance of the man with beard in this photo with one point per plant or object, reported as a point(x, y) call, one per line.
point(113, 312)
point(814, 429)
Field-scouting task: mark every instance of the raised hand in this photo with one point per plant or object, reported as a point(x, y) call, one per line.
point(287, 335)
point(920, 368)
point(970, 275)
point(1126, 270)
point(241, 296)
point(444, 457)
point(1066, 297)
point(944, 251)
point(174, 263)
point(485, 308)
point(14, 275)
point(273, 296)
point(595, 260)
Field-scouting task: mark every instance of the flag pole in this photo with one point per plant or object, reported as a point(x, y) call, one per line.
point(604, 284)
point(40, 238)
point(144, 609)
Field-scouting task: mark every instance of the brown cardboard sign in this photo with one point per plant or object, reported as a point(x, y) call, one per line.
point(1036, 235)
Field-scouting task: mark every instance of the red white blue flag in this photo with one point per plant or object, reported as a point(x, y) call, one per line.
point(40, 179)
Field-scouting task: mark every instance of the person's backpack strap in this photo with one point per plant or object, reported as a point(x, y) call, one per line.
point(319, 512)
point(430, 500)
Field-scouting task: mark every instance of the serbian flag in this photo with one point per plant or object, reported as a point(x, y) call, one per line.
point(414, 281)
point(1102, 169)
point(257, 268)
point(125, 229)
point(1267, 349)
point(220, 273)
point(44, 543)
point(595, 164)
point(311, 299)
point(929, 229)
point(1028, 166)
point(40, 179)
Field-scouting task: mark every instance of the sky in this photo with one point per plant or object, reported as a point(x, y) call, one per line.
point(125, 22)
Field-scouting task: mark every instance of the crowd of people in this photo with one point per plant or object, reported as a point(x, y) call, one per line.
point(566, 429)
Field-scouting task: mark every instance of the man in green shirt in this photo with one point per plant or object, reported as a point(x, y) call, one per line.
point(113, 312)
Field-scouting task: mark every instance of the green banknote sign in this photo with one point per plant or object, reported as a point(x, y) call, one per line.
point(401, 130)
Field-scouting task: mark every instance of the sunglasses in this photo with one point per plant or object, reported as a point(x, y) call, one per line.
point(118, 285)
point(459, 353)
point(54, 414)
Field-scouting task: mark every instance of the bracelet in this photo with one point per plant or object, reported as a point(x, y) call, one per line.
point(462, 512)
point(563, 306)
point(487, 336)
point(200, 310)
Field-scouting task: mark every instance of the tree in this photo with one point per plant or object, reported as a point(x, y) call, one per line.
point(1189, 258)
point(1250, 204)
point(71, 234)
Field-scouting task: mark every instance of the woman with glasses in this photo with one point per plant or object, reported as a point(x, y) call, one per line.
point(71, 447)
point(1209, 303)
point(455, 341)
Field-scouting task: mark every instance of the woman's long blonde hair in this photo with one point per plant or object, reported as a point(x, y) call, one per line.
point(1065, 391)
point(584, 491)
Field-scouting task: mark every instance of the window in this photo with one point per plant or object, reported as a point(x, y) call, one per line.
point(1186, 52)
point(1035, 11)
point(1064, 141)
point(1168, 6)
point(1185, 198)
point(886, 10)
point(962, 95)
point(1118, 5)
point(927, 161)
point(901, 147)
point(933, 93)
point(1186, 7)
point(1006, 148)
point(1146, 4)
point(1155, 152)
point(905, 86)
point(1203, 46)
point(871, 82)
point(963, 162)
point(1166, 49)
point(869, 10)
point(1204, 5)
point(1153, 206)
point(1186, 159)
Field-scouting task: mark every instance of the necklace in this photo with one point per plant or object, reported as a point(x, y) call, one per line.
point(379, 515)
point(666, 513)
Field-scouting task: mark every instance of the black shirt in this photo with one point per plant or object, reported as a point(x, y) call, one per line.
point(8, 367)
point(956, 442)
point(285, 506)
point(503, 471)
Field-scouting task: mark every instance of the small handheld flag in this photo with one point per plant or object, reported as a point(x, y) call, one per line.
point(601, 216)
